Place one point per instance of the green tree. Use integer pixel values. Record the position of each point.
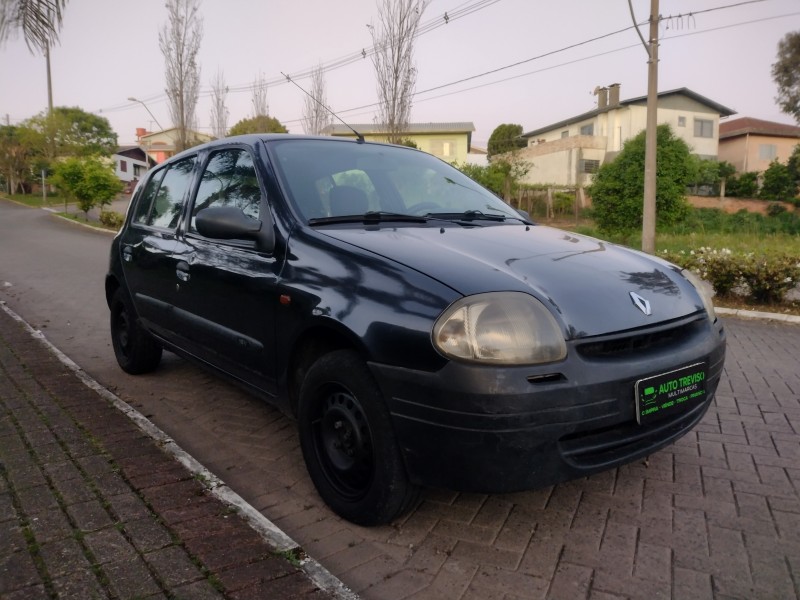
(778, 184)
(91, 181)
(501, 176)
(505, 138)
(20, 151)
(786, 74)
(260, 124)
(618, 188)
(71, 131)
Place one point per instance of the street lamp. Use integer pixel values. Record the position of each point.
(132, 99)
(146, 156)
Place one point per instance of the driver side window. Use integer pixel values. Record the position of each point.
(229, 179)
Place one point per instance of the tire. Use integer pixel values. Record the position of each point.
(136, 351)
(349, 444)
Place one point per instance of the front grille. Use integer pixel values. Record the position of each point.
(639, 342)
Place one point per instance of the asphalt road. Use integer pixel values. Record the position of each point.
(716, 515)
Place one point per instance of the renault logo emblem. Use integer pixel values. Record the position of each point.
(640, 303)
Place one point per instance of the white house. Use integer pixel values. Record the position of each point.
(130, 163)
(570, 151)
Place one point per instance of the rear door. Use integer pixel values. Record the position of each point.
(149, 244)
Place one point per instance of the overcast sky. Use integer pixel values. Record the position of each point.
(109, 51)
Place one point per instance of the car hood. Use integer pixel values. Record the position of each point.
(586, 282)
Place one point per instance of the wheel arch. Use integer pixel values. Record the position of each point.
(309, 347)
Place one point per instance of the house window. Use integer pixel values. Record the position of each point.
(123, 166)
(703, 128)
(565, 133)
(589, 166)
(443, 149)
(587, 129)
(681, 121)
(137, 171)
(767, 151)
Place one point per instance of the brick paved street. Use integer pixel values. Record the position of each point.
(90, 507)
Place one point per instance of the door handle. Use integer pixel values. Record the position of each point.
(127, 254)
(182, 271)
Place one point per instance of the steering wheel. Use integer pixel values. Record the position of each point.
(423, 207)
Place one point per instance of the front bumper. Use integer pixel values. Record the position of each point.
(502, 429)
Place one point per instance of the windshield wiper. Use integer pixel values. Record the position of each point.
(372, 216)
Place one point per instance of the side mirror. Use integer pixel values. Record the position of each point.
(230, 223)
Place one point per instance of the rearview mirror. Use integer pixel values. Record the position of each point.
(230, 223)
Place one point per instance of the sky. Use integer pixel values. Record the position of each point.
(528, 62)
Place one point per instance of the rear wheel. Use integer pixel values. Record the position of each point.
(348, 442)
(136, 351)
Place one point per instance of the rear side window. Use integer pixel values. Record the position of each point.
(146, 200)
(229, 179)
(163, 196)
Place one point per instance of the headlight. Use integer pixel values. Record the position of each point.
(705, 290)
(506, 328)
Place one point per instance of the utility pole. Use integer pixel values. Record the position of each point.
(49, 81)
(649, 208)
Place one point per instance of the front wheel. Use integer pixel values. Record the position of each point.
(348, 442)
(135, 350)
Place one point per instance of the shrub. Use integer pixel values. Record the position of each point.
(111, 218)
(770, 278)
(743, 186)
(775, 208)
(618, 186)
(721, 268)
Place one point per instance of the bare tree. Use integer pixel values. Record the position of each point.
(260, 104)
(219, 111)
(316, 116)
(179, 41)
(395, 71)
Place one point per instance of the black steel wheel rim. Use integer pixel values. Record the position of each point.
(343, 443)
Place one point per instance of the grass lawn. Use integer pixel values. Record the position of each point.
(743, 242)
(36, 200)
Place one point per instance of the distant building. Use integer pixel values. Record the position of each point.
(160, 145)
(130, 163)
(449, 141)
(569, 152)
(751, 144)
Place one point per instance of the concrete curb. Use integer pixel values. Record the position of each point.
(269, 532)
(755, 314)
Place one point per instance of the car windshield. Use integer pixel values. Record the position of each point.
(330, 180)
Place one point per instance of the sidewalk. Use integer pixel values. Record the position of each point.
(92, 507)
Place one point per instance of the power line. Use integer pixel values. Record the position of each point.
(563, 64)
(462, 10)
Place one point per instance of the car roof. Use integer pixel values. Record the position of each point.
(252, 139)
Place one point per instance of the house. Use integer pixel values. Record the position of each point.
(160, 145)
(130, 163)
(449, 141)
(751, 144)
(570, 151)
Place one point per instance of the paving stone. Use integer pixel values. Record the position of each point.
(130, 578)
(174, 567)
(17, 570)
(147, 534)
